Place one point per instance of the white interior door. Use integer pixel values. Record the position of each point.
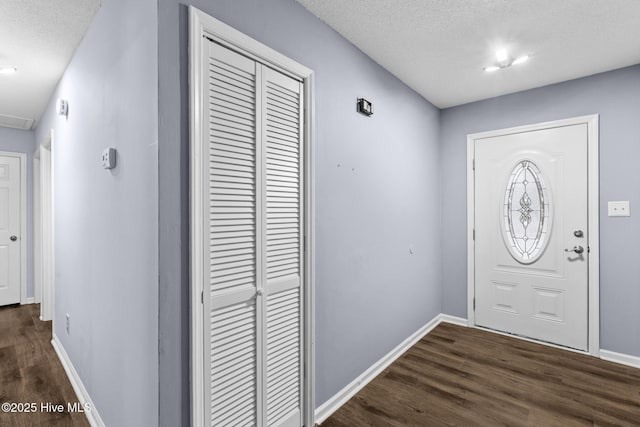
(253, 220)
(10, 227)
(531, 231)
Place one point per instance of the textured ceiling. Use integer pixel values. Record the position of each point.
(38, 37)
(439, 47)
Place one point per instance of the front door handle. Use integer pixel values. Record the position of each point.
(13, 238)
(577, 249)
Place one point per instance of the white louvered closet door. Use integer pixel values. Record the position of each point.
(232, 342)
(253, 304)
(283, 248)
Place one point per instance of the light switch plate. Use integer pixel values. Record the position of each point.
(109, 158)
(619, 208)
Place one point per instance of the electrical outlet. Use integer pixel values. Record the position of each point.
(619, 208)
(68, 323)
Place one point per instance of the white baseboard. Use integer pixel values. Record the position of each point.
(30, 300)
(624, 359)
(83, 396)
(340, 398)
(453, 319)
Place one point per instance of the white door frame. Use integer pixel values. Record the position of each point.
(593, 218)
(202, 25)
(37, 230)
(24, 299)
(43, 229)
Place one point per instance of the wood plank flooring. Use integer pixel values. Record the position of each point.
(30, 370)
(457, 376)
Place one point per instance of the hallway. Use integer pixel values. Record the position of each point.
(30, 371)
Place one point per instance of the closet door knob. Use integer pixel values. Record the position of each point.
(13, 238)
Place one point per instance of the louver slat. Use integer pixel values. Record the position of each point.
(283, 171)
(230, 382)
(232, 269)
(283, 358)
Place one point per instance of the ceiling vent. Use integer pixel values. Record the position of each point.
(16, 122)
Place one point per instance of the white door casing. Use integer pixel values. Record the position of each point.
(12, 233)
(531, 200)
(43, 245)
(37, 231)
(249, 133)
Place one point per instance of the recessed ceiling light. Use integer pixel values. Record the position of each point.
(8, 70)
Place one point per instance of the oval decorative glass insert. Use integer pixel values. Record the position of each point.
(526, 213)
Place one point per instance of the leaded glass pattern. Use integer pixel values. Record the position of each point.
(526, 212)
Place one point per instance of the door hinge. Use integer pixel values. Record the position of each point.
(474, 164)
(474, 304)
(474, 234)
(202, 297)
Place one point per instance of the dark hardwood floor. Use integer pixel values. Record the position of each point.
(458, 376)
(30, 371)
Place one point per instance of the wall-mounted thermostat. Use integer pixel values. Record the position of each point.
(365, 107)
(109, 158)
(62, 107)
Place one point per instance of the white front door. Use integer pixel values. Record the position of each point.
(531, 230)
(10, 216)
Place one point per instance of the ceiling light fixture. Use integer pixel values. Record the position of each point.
(506, 61)
(520, 60)
(8, 70)
(502, 55)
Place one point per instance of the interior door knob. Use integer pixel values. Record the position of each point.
(577, 249)
(13, 238)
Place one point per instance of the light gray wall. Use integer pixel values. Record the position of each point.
(23, 141)
(106, 227)
(377, 188)
(616, 97)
